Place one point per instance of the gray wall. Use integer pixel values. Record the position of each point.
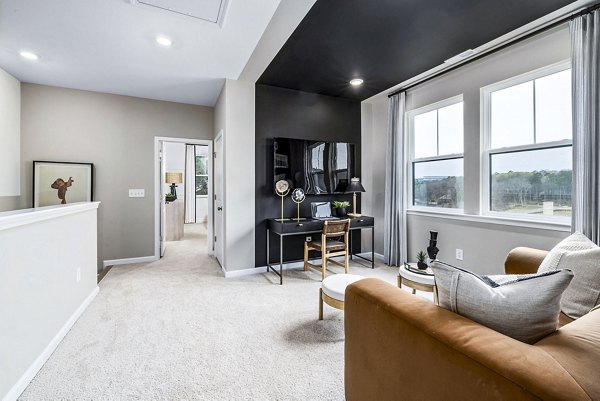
(374, 121)
(116, 133)
(485, 245)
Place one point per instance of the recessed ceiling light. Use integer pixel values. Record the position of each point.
(356, 82)
(164, 41)
(28, 55)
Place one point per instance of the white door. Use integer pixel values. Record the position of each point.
(218, 208)
(161, 192)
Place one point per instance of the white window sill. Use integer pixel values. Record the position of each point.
(455, 214)
(201, 196)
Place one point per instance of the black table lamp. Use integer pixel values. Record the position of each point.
(353, 187)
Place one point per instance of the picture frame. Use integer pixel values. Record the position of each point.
(56, 183)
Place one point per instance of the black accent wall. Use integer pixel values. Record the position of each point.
(303, 115)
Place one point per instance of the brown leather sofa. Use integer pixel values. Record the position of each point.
(402, 347)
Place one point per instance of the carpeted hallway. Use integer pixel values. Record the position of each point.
(176, 329)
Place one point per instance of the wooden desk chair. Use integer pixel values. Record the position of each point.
(329, 248)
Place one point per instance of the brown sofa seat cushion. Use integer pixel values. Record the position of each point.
(576, 346)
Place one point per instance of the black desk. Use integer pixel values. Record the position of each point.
(310, 226)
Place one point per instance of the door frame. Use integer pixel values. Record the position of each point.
(221, 135)
(158, 182)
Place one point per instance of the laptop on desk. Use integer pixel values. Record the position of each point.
(321, 211)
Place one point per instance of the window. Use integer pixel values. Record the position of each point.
(201, 175)
(528, 144)
(436, 154)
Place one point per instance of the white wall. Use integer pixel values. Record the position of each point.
(485, 245)
(234, 114)
(10, 140)
(174, 155)
(40, 297)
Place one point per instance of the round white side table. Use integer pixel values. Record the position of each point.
(417, 281)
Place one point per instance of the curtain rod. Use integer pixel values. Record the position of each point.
(504, 46)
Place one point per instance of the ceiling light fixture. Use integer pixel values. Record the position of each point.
(164, 41)
(356, 82)
(29, 55)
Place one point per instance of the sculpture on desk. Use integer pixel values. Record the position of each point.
(62, 186)
(282, 188)
(432, 249)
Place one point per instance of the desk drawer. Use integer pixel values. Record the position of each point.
(363, 221)
(290, 227)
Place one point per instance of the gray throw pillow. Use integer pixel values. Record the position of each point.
(582, 256)
(522, 306)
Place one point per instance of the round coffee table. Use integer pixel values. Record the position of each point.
(333, 290)
(422, 281)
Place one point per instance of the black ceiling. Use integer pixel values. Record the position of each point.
(388, 41)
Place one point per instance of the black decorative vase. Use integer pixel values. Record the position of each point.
(422, 265)
(340, 212)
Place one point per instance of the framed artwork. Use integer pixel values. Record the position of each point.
(61, 183)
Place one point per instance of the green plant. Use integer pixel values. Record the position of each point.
(340, 204)
(421, 256)
(170, 198)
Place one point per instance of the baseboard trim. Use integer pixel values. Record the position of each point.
(20, 386)
(286, 266)
(378, 256)
(244, 272)
(128, 261)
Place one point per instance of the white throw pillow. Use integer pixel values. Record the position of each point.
(522, 306)
(581, 256)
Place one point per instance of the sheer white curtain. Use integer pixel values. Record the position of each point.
(585, 58)
(395, 249)
(190, 184)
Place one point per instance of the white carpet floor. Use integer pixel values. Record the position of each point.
(175, 329)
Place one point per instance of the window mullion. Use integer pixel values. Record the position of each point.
(534, 115)
(437, 130)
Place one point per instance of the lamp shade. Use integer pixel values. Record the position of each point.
(341, 186)
(354, 186)
(173, 178)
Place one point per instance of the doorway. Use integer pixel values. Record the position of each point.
(183, 189)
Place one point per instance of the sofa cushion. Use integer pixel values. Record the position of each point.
(525, 307)
(576, 347)
(582, 256)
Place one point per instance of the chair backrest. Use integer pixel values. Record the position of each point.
(335, 228)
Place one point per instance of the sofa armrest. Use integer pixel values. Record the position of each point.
(524, 260)
(400, 346)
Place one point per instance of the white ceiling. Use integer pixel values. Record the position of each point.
(108, 45)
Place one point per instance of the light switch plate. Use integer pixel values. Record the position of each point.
(137, 193)
(459, 254)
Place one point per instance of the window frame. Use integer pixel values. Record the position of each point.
(485, 196)
(411, 160)
(200, 175)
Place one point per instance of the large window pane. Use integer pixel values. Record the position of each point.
(553, 107)
(201, 164)
(512, 116)
(438, 183)
(201, 185)
(425, 134)
(450, 126)
(536, 182)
